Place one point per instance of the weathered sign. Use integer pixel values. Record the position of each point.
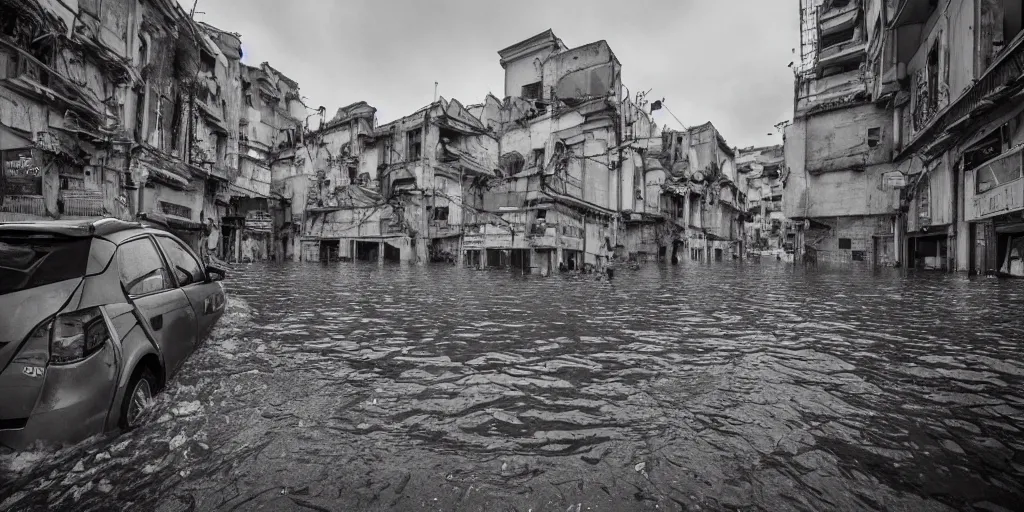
(1002, 199)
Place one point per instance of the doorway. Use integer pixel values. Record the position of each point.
(521, 260)
(392, 254)
(330, 250)
(367, 251)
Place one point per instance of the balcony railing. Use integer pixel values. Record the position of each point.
(1000, 80)
(26, 205)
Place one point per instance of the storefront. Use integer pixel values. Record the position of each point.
(995, 208)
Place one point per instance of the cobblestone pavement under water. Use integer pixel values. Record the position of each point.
(699, 387)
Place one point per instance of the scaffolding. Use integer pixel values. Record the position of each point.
(809, 12)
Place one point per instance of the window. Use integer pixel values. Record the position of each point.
(999, 172)
(538, 158)
(532, 91)
(845, 243)
(415, 145)
(31, 260)
(20, 174)
(441, 213)
(142, 270)
(186, 268)
(933, 77)
(874, 136)
(858, 256)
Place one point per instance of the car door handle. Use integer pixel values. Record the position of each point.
(157, 322)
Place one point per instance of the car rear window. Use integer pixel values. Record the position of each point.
(28, 261)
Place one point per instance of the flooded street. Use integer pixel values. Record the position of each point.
(699, 387)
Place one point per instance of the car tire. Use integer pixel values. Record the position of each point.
(141, 388)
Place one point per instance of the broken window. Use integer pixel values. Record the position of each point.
(441, 213)
(222, 149)
(874, 137)
(532, 91)
(542, 214)
(845, 243)
(414, 150)
(838, 37)
(859, 256)
(933, 76)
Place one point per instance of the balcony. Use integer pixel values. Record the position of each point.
(837, 19)
(912, 12)
(1000, 82)
(842, 53)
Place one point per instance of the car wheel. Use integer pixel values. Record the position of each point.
(137, 398)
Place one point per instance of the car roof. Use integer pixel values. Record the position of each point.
(71, 228)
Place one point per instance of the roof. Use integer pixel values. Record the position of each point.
(546, 38)
(70, 228)
(281, 76)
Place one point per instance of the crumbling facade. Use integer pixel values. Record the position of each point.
(768, 231)
(713, 193)
(838, 179)
(150, 115)
(132, 110)
(571, 158)
(904, 147)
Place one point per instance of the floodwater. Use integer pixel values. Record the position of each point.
(716, 386)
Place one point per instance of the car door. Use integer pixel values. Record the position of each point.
(206, 297)
(161, 304)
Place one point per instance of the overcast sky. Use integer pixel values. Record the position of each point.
(723, 61)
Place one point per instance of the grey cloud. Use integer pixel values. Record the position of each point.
(722, 61)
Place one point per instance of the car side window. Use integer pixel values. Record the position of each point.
(142, 270)
(185, 266)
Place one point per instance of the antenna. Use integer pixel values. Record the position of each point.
(435, 91)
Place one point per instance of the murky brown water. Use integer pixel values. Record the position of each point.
(697, 387)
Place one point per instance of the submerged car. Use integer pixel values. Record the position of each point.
(95, 317)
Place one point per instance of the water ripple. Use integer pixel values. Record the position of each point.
(711, 387)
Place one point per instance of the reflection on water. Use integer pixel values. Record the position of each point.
(710, 387)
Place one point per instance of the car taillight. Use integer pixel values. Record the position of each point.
(77, 335)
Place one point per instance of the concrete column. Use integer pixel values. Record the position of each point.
(963, 228)
(380, 252)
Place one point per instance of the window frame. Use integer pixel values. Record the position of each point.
(172, 279)
(167, 260)
(414, 137)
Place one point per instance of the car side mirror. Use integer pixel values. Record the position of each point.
(215, 273)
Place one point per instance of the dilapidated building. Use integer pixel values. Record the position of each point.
(395, 192)
(67, 100)
(840, 182)
(130, 109)
(570, 145)
(905, 146)
(768, 228)
(952, 72)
